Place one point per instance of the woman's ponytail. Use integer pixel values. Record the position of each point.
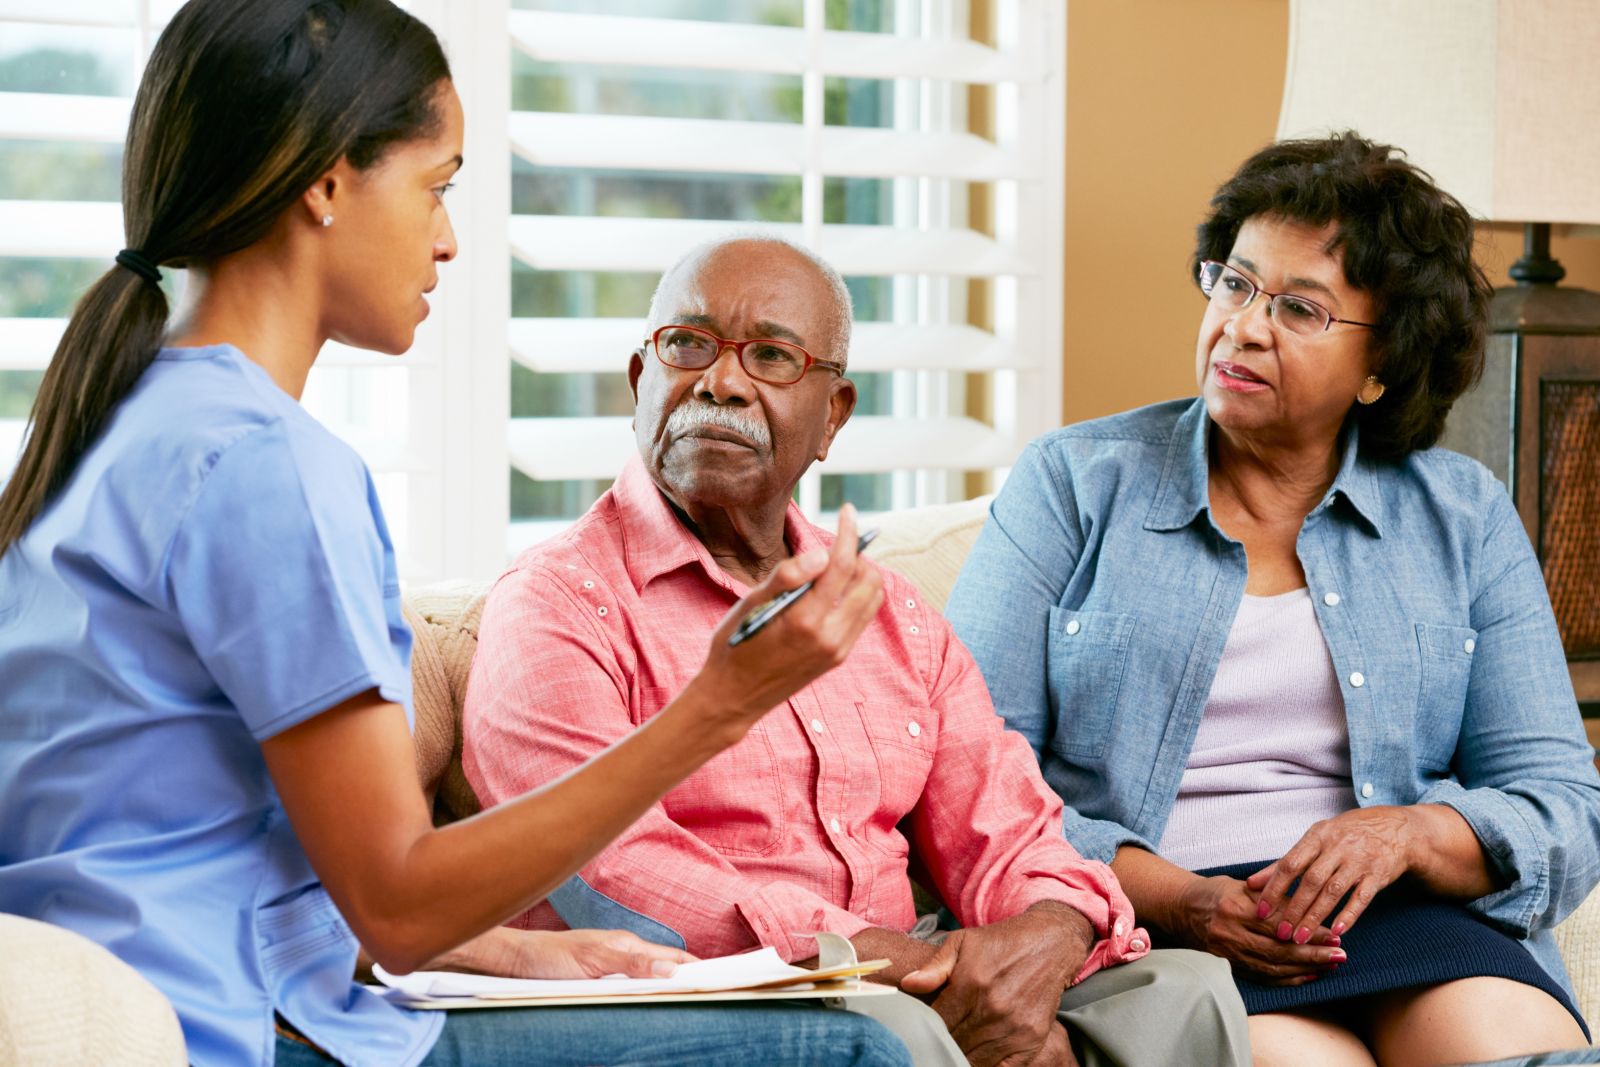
(114, 333)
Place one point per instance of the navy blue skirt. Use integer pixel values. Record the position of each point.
(1404, 939)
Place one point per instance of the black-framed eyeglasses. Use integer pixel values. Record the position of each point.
(1231, 290)
(763, 358)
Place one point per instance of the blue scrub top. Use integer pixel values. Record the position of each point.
(216, 571)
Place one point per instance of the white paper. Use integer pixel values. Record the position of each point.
(702, 976)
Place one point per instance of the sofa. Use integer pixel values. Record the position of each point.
(927, 545)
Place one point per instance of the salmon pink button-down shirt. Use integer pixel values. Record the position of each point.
(804, 824)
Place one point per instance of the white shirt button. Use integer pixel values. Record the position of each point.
(1073, 627)
(914, 729)
(834, 825)
(1357, 679)
(910, 603)
(1470, 645)
(1118, 927)
(816, 724)
(602, 611)
(1137, 944)
(915, 630)
(588, 583)
(1331, 599)
(1366, 789)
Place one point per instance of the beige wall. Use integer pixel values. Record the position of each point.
(1147, 142)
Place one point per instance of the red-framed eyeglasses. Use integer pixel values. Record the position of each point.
(763, 358)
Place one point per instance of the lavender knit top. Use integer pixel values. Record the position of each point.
(1272, 755)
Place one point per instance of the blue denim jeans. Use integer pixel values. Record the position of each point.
(727, 1035)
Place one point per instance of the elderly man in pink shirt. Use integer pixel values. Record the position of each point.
(811, 822)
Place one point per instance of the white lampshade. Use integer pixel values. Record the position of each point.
(1499, 100)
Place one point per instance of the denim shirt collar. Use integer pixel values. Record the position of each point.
(1183, 490)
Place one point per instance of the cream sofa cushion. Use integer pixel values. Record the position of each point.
(67, 1002)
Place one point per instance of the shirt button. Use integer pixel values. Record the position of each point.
(1073, 627)
(1331, 599)
(588, 583)
(816, 724)
(834, 825)
(1137, 945)
(913, 728)
(602, 611)
(910, 603)
(1118, 926)
(1470, 645)
(915, 630)
(1366, 789)
(1357, 679)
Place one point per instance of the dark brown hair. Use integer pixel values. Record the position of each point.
(1404, 241)
(243, 106)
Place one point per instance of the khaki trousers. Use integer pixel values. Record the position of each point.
(1172, 1008)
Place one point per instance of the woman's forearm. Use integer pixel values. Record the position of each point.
(412, 892)
(1155, 887)
(522, 850)
(1445, 855)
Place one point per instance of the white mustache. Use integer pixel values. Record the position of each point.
(694, 413)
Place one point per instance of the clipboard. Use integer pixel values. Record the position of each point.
(837, 976)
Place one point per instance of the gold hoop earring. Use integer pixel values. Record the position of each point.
(1371, 390)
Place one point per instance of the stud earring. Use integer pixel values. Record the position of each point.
(1371, 390)
(327, 220)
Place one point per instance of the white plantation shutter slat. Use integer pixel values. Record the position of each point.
(63, 117)
(565, 242)
(872, 153)
(28, 344)
(55, 228)
(556, 449)
(630, 142)
(725, 146)
(623, 41)
(683, 44)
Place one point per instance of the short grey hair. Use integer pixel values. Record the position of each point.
(840, 314)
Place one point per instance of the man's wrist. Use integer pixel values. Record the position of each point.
(1074, 927)
(904, 952)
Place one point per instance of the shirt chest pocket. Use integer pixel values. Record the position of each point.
(904, 738)
(1087, 655)
(735, 802)
(1446, 653)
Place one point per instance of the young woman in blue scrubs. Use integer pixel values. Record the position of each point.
(205, 762)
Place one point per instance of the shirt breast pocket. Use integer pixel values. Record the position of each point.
(735, 802)
(904, 738)
(1446, 653)
(1087, 656)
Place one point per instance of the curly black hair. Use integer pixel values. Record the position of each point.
(1404, 241)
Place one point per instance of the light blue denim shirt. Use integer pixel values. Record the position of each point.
(1100, 594)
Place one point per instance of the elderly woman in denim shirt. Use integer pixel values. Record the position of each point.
(1293, 670)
